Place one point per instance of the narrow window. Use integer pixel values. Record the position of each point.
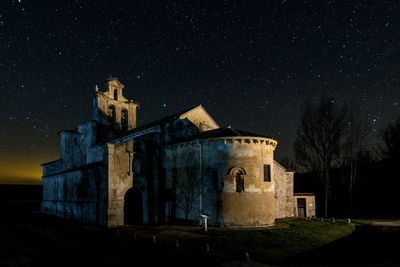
(267, 173)
(239, 182)
(116, 94)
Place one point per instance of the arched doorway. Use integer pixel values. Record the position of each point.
(133, 207)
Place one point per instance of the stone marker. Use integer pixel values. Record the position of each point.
(207, 247)
(177, 243)
(247, 256)
(154, 239)
(348, 220)
(333, 220)
(205, 217)
(322, 219)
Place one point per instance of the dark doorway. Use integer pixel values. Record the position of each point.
(301, 207)
(133, 208)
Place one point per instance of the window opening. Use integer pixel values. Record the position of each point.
(267, 173)
(239, 182)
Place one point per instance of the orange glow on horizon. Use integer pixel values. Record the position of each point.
(16, 172)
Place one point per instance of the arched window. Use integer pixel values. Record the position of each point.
(124, 120)
(116, 94)
(237, 175)
(239, 182)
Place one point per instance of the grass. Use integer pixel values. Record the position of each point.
(43, 240)
(276, 245)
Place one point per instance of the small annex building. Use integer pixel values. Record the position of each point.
(113, 173)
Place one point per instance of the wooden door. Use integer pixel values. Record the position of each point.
(301, 207)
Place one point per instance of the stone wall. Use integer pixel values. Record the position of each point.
(214, 163)
(79, 194)
(248, 209)
(178, 129)
(75, 146)
(75, 186)
(120, 179)
(310, 203)
(284, 192)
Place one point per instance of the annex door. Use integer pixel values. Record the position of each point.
(133, 207)
(301, 207)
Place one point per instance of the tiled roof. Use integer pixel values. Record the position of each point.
(228, 131)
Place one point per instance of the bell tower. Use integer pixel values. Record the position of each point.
(112, 109)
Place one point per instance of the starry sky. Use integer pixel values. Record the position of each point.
(251, 64)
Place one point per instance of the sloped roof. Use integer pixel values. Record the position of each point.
(162, 120)
(227, 131)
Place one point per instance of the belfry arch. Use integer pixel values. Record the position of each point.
(124, 120)
(112, 114)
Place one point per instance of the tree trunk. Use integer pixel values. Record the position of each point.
(326, 192)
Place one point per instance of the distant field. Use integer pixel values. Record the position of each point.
(20, 192)
(17, 199)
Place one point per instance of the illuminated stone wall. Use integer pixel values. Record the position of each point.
(218, 160)
(284, 184)
(310, 204)
(120, 179)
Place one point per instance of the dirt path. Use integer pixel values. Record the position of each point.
(392, 223)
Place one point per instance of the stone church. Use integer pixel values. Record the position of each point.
(113, 173)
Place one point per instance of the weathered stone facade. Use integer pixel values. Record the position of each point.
(305, 205)
(114, 173)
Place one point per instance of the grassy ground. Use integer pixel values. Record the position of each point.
(277, 245)
(32, 239)
(48, 241)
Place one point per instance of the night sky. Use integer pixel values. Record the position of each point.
(250, 64)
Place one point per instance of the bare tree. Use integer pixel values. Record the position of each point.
(288, 163)
(188, 190)
(319, 137)
(391, 138)
(352, 150)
